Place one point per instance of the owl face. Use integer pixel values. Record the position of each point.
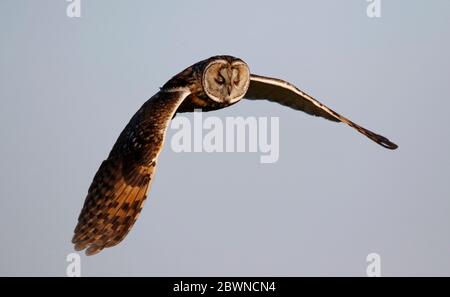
(226, 81)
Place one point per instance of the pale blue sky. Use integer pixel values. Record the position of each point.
(69, 86)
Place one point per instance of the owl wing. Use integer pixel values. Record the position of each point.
(286, 94)
(117, 193)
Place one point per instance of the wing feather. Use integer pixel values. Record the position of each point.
(119, 188)
(286, 94)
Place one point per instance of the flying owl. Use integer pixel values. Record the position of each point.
(119, 189)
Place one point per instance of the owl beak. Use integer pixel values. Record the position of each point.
(229, 89)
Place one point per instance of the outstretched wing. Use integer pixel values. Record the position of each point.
(117, 193)
(284, 93)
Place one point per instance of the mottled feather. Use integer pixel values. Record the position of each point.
(118, 191)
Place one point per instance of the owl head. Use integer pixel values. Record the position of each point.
(226, 79)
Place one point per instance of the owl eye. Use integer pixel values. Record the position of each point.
(220, 80)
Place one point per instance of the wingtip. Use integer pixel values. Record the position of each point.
(93, 249)
(381, 140)
(389, 145)
(386, 143)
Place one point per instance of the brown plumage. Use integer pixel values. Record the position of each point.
(118, 191)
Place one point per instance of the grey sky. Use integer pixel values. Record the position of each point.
(69, 86)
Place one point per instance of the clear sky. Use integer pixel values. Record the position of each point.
(68, 86)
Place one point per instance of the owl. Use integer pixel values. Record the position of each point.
(119, 188)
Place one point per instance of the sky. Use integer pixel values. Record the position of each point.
(68, 86)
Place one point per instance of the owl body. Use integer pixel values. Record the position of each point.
(119, 188)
